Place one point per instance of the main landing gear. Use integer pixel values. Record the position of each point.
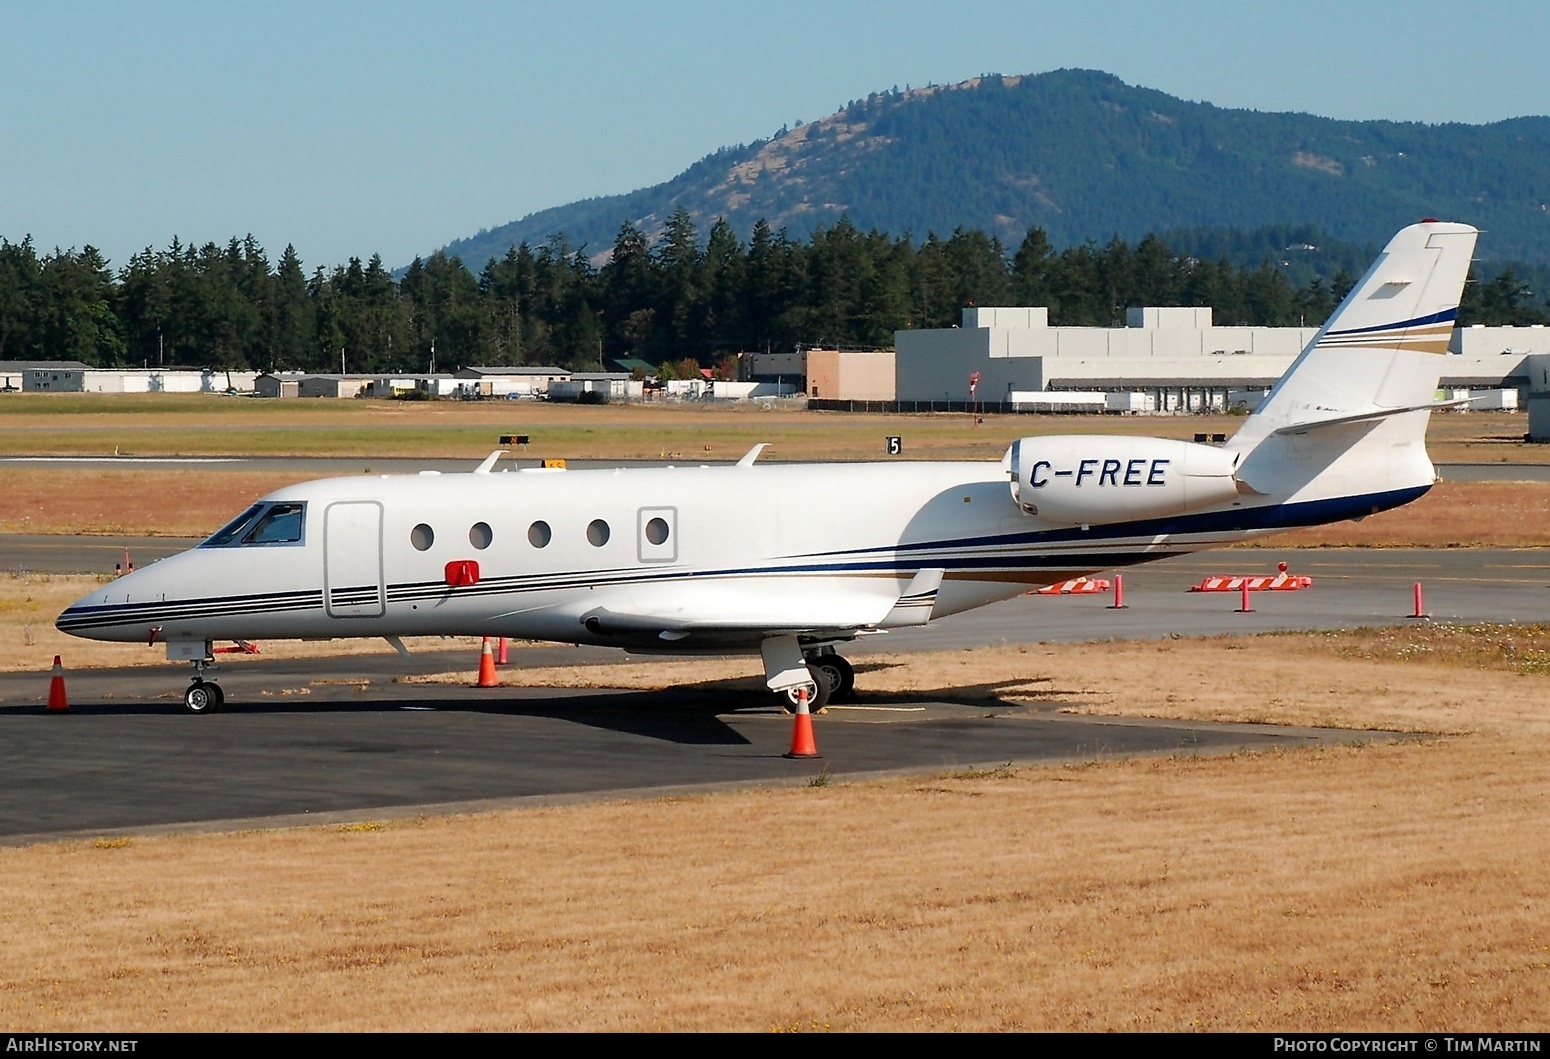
(791, 666)
(837, 673)
(203, 696)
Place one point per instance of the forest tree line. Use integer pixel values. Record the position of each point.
(663, 301)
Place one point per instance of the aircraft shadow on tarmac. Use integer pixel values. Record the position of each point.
(691, 714)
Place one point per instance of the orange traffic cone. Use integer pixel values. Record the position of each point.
(802, 743)
(57, 702)
(487, 667)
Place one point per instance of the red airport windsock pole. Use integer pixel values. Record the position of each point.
(57, 701)
(802, 743)
(487, 677)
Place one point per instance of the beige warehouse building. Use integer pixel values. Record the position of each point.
(851, 375)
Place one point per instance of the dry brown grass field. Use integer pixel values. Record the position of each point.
(202, 425)
(1393, 886)
(185, 502)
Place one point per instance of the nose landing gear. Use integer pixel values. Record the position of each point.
(203, 696)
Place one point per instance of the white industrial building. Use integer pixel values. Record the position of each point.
(1176, 357)
(167, 380)
(609, 385)
(504, 381)
(72, 376)
(1175, 354)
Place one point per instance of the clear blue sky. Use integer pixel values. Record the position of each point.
(353, 128)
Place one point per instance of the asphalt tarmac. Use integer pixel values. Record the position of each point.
(314, 740)
(380, 751)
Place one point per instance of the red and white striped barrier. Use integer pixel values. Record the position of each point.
(1080, 586)
(1264, 583)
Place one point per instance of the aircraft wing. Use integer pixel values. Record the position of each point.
(759, 607)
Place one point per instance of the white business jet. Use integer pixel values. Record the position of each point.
(734, 558)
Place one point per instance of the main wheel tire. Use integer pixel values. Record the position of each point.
(818, 692)
(841, 674)
(202, 697)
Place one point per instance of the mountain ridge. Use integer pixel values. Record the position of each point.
(1084, 156)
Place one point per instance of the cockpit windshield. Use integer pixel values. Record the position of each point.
(278, 523)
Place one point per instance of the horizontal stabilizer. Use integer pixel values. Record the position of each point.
(1368, 417)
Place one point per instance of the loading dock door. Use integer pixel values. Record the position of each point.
(352, 560)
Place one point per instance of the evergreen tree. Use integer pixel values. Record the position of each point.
(78, 317)
(680, 308)
(20, 299)
(724, 277)
(1033, 268)
(292, 327)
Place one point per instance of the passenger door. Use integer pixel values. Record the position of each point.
(352, 559)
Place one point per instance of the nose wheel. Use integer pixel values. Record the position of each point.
(203, 696)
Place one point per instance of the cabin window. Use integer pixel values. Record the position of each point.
(422, 537)
(538, 534)
(280, 523)
(480, 535)
(656, 531)
(597, 532)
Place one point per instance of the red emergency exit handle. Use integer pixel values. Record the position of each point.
(462, 572)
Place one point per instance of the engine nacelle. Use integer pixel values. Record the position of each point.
(1096, 480)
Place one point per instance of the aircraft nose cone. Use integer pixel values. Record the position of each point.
(87, 616)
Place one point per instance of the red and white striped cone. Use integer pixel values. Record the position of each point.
(58, 702)
(802, 742)
(487, 678)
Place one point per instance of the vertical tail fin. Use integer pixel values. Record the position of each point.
(1379, 352)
